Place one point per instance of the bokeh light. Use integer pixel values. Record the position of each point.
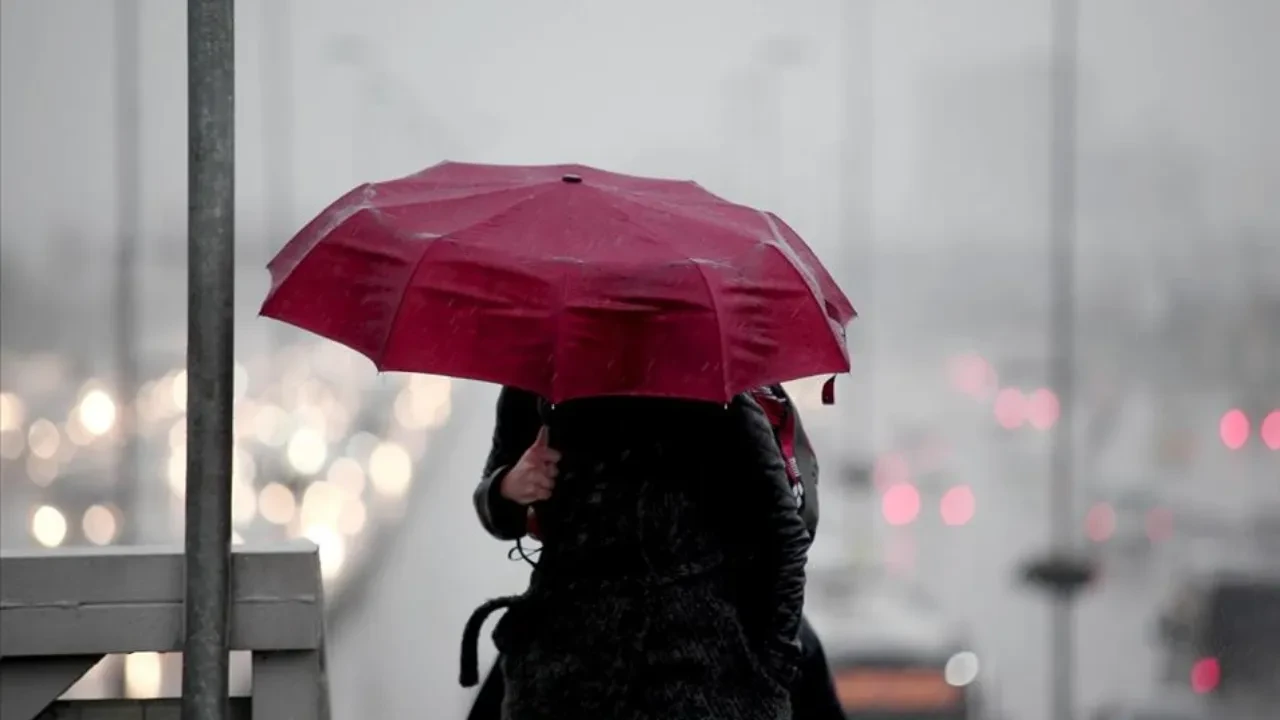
(307, 451)
(48, 526)
(43, 438)
(972, 375)
(97, 412)
(1043, 409)
(333, 549)
(1010, 408)
(277, 504)
(900, 504)
(1206, 673)
(1233, 429)
(1270, 430)
(321, 505)
(13, 412)
(961, 669)
(1100, 522)
(957, 506)
(390, 469)
(100, 525)
(346, 473)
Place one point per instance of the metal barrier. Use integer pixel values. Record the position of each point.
(62, 611)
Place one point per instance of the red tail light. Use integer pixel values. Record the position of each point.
(900, 504)
(1100, 523)
(1270, 430)
(1233, 428)
(1205, 675)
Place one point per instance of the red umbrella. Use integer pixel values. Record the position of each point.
(564, 280)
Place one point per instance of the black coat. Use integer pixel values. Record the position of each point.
(637, 607)
(505, 520)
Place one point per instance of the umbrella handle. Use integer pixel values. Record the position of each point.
(546, 413)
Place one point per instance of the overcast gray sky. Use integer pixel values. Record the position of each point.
(628, 85)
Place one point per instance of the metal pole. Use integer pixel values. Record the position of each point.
(857, 204)
(1062, 339)
(128, 192)
(856, 233)
(210, 346)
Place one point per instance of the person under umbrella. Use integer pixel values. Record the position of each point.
(641, 310)
(668, 518)
(504, 501)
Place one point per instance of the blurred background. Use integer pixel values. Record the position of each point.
(908, 140)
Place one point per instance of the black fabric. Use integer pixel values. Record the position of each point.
(517, 422)
(635, 610)
(488, 702)
(813, 696)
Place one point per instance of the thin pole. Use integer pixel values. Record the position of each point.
(210, 347)
(1062, 339)
(277, 110)
(128, 191)
(856, 181)
(857, 203)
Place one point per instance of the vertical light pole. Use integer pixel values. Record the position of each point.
(1062, 343)
(128, 181)
(754, 117)
(210, 353)
(278, 124)
(774, 56)
(857, 185)
(856, 208)
(128, 193)
(1063, 572)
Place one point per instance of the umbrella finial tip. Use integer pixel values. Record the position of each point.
(571, 178)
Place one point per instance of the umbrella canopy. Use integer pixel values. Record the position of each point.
(566, 281)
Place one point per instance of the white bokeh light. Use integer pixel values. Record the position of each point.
(962, 669)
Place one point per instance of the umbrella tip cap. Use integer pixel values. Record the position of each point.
(571, 179)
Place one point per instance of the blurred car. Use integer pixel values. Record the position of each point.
(893, 654)
(1221, 635)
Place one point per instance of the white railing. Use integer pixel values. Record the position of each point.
(62, 611)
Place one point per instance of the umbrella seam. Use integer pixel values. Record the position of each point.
(683, 210)
(657, 239)
(791, 260)
(555, 342)
(715, 307)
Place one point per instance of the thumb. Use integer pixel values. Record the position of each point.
(541, 442)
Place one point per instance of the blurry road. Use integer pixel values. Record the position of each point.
(973, 572)
(398, 655)
(979, 578)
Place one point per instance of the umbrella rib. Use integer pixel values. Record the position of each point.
(792, 261)
(658, 239)
(715, 308)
